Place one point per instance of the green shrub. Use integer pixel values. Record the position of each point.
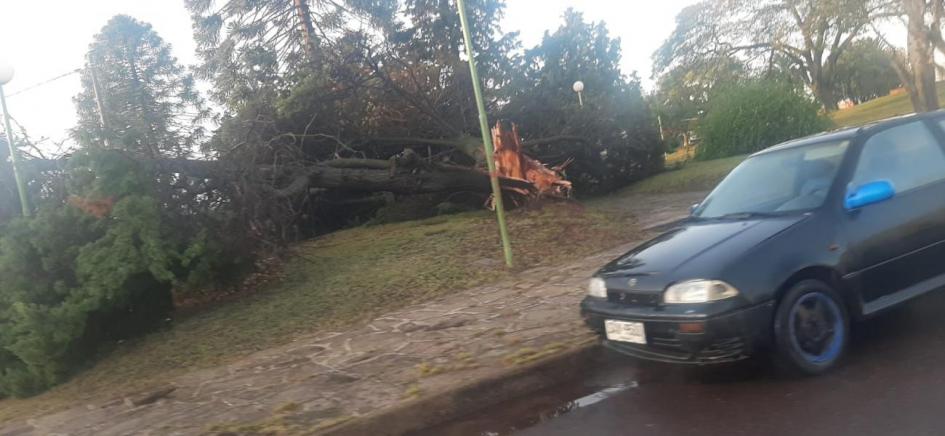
(749, 117)
(72, 279)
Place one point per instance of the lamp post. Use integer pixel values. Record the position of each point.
(6, 75)
(578, 87)
(486, 136)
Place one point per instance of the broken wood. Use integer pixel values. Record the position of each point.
(512, 163)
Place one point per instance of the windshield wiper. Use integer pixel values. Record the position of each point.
(743, 215)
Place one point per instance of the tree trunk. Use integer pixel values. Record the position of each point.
(441, 179)
(826, 95)
(921, 58)
(306, 28)
(369, 176)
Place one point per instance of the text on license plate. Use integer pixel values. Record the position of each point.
(625, 331)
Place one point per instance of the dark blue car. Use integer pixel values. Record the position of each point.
(795, 243)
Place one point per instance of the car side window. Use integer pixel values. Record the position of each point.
(908, 156)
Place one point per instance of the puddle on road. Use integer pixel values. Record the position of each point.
(601, 382)
(523, 413)
(611, 376)
(601, 395)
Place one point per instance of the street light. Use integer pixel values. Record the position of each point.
(6, 72)
(6, 75)
(578, 87)
(486, 136)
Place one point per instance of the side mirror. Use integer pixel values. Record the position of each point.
(692, 209)
(869, 193)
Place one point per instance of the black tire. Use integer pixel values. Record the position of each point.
(811, 328)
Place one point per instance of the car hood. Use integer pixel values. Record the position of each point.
(694, 249)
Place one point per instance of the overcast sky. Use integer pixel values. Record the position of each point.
(44, 39)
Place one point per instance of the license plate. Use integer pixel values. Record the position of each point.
(625, 331)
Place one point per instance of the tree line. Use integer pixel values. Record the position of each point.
(832, 50)
(741, 75)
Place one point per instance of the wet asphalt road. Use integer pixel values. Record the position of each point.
(892, 382)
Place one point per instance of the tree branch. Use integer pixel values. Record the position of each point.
(367, 175)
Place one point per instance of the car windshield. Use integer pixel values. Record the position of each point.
(789, 180)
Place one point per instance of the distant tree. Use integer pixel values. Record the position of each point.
(864, 71)
(613, 138)
(682, 94)
(149, 102)
(916, 65)
(249, 45)
(811, 35)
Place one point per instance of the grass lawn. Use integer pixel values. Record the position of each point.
(342, 278)
(692, 176)
(878, 109)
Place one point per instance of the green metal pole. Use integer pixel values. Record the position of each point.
(486, 135)
(14, 156)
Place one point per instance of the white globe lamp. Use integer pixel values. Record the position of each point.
(578, 87)
(6, 72)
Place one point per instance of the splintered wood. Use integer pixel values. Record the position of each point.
(512, 163)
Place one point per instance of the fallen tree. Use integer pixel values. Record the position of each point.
(350, 174)
(519, 175)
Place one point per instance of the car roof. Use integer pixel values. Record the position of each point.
(849, 132)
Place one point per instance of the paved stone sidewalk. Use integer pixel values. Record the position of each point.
(324, 380)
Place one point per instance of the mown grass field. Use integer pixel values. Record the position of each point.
(878, 109)
(691, 176)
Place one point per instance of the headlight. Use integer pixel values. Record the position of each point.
(597, 288)
(698, 291)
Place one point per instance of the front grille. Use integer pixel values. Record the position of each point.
(724, 349)
(664, 344)
(634, 298)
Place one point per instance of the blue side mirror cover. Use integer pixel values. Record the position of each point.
(869, 193)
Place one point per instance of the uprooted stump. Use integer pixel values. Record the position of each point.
(512, 163)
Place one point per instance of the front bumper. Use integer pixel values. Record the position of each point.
(726, 337)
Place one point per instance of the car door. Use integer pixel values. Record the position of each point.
(897, 244)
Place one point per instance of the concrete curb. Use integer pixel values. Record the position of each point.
(444, 406)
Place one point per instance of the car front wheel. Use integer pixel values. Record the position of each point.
(811, 328)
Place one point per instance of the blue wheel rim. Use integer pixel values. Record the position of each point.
(816, 328)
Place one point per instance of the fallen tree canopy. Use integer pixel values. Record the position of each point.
(408, 173)
(350, 174)
(432, 178)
